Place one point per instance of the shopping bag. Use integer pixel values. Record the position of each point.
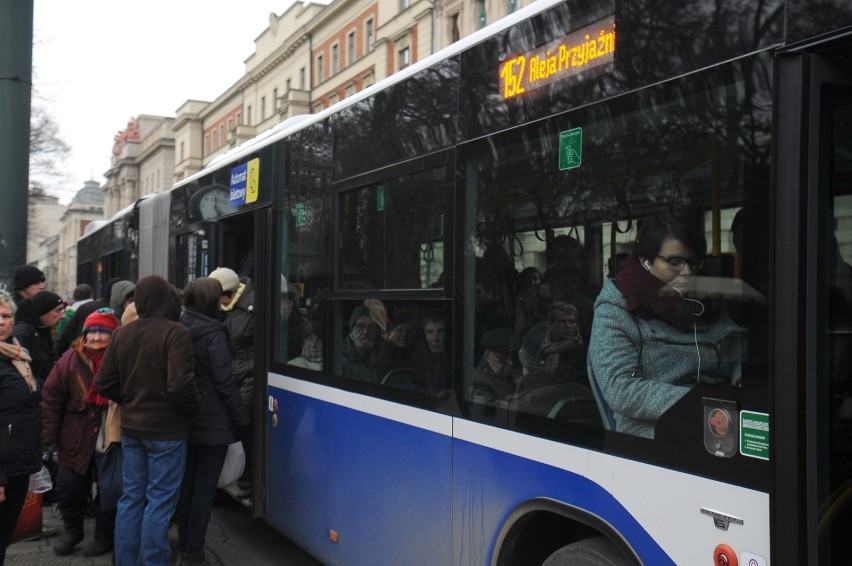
(29, 522)
(109, 476)
(235, 463)
(40, 481)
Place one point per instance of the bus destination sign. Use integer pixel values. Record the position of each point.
(579, 51)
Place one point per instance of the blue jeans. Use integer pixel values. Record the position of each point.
(152, 473)
(203, 465)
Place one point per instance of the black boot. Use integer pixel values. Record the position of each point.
(70, 538)
(100, 546)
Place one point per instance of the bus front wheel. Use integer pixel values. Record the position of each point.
(596, 551)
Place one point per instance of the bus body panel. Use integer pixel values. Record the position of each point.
(335, 468)
(335, 456)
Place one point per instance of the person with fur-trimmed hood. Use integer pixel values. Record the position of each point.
(73, 418)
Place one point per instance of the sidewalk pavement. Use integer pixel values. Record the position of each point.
(38, 550)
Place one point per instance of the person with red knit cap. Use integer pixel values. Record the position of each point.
(73, 414)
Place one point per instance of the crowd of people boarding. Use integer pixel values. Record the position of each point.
(138, 392)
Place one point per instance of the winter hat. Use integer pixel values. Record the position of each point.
(530, 353)
(44, 301)
(359, 312)
(497, 340)
(27, 275)
(101, 319)
(227, 277)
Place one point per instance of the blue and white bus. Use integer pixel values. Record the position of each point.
(541, 142)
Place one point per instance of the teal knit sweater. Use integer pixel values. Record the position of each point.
(644, 366)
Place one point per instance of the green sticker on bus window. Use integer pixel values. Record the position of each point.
(570, 149)
(380, 198)
(754, 434)
(300, 214)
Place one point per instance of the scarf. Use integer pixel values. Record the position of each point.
(649, 297)
(20, 358)
(96, 357)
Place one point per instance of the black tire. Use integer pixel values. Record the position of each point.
(596, 551)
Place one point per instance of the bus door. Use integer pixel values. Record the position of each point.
(191, 253)
(815, 385)
(234, 245)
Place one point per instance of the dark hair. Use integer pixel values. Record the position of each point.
(489, 282)
(203, 295)
(82, 291)
(654, 230)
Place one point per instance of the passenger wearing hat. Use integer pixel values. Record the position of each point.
(73, 417)
(34, 323)
(552, 384)
(237, 304)
(28, 280)
(492, 378)
(362, 347)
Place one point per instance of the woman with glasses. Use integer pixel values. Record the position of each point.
(651, 342)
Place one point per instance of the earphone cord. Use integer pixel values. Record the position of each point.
(697, 351)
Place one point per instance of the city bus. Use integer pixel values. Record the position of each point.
(538, 146)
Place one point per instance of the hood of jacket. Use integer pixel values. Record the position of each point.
(119, 292)
(157, 298)
(199, 324)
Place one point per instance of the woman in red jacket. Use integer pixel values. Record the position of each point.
(73, 416)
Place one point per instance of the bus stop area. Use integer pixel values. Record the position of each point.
(233, 537)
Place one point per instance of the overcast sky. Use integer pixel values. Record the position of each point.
(99, 63)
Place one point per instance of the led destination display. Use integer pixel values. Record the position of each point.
(581, 50)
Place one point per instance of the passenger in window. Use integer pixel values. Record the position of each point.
(297, 322)
(528, 277)
(430, 355)
(553, 381)
(497, 260)
(403, 337)
(650, 343)
(362, 349)
(311, 356)
(492, 379)
(490, 313)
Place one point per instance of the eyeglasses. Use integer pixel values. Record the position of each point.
(677, 262)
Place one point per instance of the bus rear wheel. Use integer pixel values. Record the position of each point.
(596, 551)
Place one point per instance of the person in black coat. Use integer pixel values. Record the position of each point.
(20, 425)
(220, 416)
(34, 323)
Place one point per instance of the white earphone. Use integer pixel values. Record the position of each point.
(648, 265)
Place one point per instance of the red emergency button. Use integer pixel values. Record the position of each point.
(724, 555)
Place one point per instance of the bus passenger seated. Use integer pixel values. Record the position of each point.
(649, 343)
(492, 378)
(311, 356)
(554, 381)
(430, 355)
(362, 348)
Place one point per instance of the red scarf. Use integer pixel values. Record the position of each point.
(96, 357)
(649, 297)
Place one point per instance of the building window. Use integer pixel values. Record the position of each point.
(287, 86)
(320, 77)
(350, 48)
(181, 151)
(512, 6)
(369, 79)
(275, 98)
(483, 15)
(350, 89)
(404, 57)
(335, 59)
(262, 108)
(455, 34)
(302, 82)
(371, 35)
(215, 140)
(239, 118)
(248, 115)
(404, 4)
(222, 133)
(230, 125)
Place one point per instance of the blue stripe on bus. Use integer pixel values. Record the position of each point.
(386, 489)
